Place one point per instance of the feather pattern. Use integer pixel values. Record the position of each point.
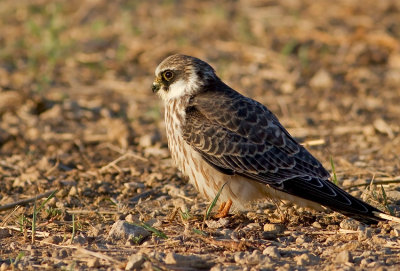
(237, 135)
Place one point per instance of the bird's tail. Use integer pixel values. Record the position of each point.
(329, 195)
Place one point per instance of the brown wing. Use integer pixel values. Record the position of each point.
(241, 135)
(237, 135)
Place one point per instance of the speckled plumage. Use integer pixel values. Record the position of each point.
(216, 136)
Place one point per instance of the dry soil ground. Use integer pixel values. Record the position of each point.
(77, 116)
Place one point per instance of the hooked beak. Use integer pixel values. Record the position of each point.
(156, 86)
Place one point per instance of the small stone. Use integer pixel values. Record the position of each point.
(321, 80)
(239, 257)
(93, 263)
(81, 239)
(53, 239)
(255, 258)
(344, 257)
(364, 233)
(350, 224)
(272, 251)
(287, 87)
(148, 140)
(382, 127)
(215, 224)
(10, 100)
(269, 235)
(188, 261)
(135, 261)
(122, 230)
(4, 267)
(73, 191)
(252, 226)
(285, 267)
(300, 240)
(4, 233)
(134, 185)
(130, 218)
(317, 225)
(307, 259)
(393, 195)
(274, 228)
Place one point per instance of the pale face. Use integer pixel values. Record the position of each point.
(170, 83)
(177, 76)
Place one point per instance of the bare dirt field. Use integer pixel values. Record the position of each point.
(80, 127)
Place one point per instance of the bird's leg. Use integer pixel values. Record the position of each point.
(223, 210)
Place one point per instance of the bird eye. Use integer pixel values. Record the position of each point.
(168, 75)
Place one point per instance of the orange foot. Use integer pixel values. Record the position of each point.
(224, 209)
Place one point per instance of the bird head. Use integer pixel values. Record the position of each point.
(181, 75)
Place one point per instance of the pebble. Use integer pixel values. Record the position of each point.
(300, 240)
(93, 263)
(350, 224)
(344, 257)
(62, 253)
(81, 239)
(384, 128)
(3, 267)
(364, 233)
(321, 80)
(188, 261)
(130, 218)
(225, 267)
(317, 225)
(254, 258)
(134, 185)
(10, 100)
(272, 251)
(269, 235)
(307, 259)
(122, 230)
(4, 233)
(135, 262)
(73, 191)
(215, 224)
(240, 257)
(274, 228)
(394, 195)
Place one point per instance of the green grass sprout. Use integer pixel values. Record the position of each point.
(213, 203)
(152, 229)
(334, 180)
(385, 202)
(34, 219)
(73, 228)
(197, 231)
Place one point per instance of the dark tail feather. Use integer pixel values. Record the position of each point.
(331, 196)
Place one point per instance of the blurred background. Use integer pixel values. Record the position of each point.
(85, 67)
(75, 91)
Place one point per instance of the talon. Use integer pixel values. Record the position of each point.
(223, 210)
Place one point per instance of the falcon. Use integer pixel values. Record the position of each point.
(219, 137)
